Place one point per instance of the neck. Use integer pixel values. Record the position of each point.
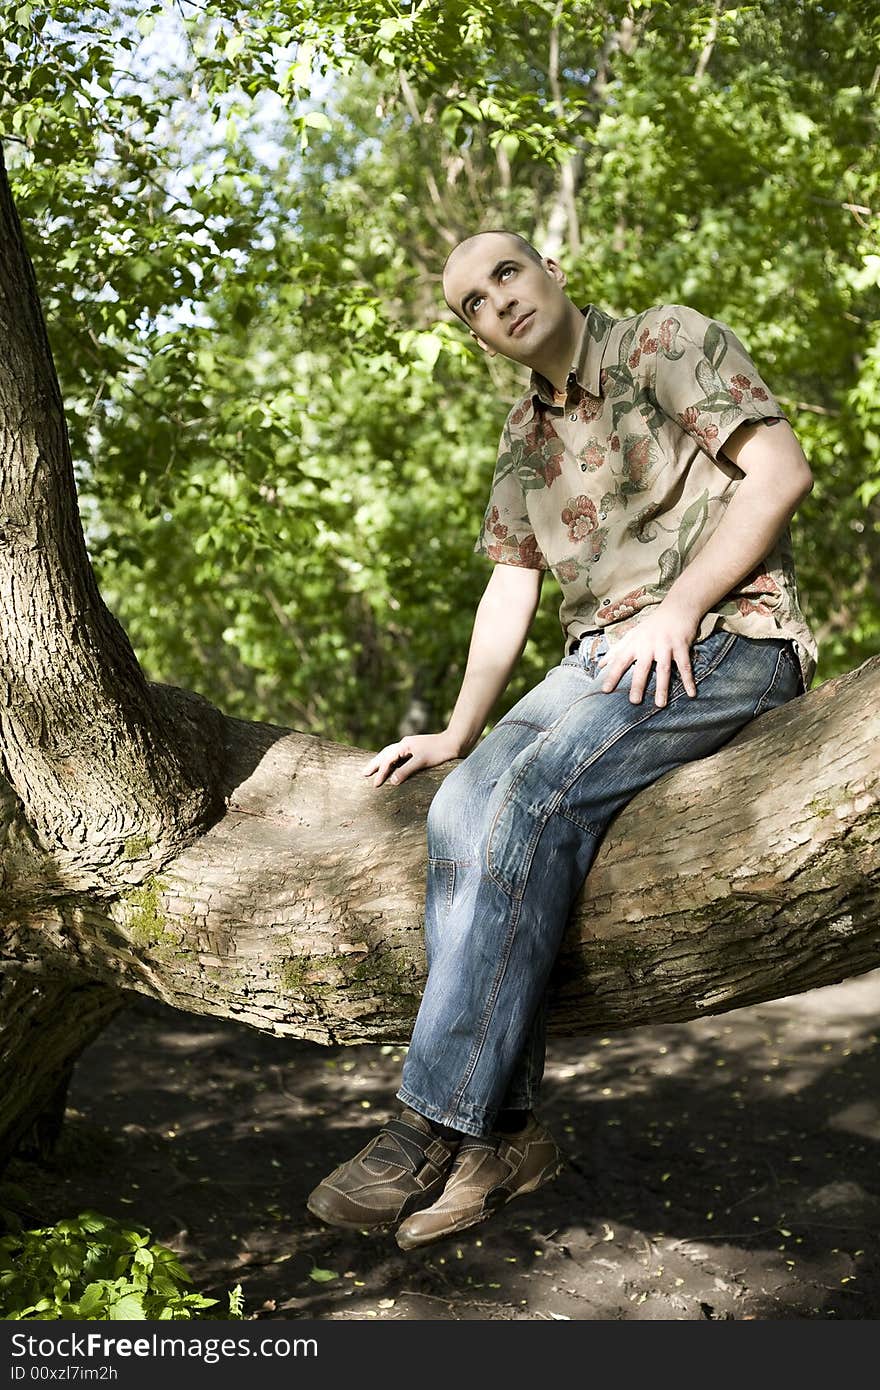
(556, 356)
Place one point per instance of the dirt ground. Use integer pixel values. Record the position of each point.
(722, 1169)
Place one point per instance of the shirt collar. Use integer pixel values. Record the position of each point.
(586, 365)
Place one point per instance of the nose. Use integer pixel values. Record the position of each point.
(503, 300)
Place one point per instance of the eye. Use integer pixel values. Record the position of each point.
(508, 270)
(475, 303)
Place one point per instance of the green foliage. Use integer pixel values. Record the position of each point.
(92, 1268)
(282, 438)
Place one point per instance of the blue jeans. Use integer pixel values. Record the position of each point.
(512, 833)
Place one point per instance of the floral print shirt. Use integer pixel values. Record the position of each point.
(619, 485)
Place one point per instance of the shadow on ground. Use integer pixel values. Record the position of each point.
(722, 1169)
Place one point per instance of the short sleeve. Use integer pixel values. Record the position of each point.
(705, 380)
(506, 535)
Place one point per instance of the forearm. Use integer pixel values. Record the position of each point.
(499, 634)
(756, 515)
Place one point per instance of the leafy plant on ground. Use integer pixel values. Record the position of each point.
(92, 1268)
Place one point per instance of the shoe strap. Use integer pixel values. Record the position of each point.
(409, 1142)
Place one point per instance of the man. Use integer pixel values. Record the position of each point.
(650, 469)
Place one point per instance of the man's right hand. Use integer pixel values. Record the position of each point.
(504, 616)
(410, 755)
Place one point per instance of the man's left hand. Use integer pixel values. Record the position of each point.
(658, 639)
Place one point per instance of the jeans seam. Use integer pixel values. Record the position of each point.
(586, 825)
(582, 768)
(483, 1028)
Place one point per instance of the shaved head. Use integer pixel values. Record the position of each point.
(525, 247)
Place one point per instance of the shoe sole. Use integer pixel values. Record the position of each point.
(371, 1228)
(546, 1175)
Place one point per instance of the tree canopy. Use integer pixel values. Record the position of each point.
(239, 213)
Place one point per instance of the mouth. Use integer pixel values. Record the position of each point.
(518, 324)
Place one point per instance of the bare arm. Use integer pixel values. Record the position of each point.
(777, 478)
(501, 625)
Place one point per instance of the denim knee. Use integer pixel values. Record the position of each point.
(453, 816)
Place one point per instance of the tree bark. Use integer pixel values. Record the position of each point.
(44, 1025)
(105, 766)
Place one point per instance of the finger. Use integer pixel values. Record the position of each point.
(612, 676)
(663, 666)
(406, 769)
(371, 766)
(385, 762)
(614, 669)
(640, 680)
(686, 671)
(398, 758)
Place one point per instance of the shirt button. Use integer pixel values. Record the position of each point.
(583, 468)
(573, 415)
(602, 516)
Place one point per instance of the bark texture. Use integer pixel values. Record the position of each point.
(104, 766)
(44, 1026)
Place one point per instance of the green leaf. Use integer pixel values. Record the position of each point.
(130, 1306)
(322, 1276)
(66, 1259)
(428, 347)
(705, 374)
(92, 1222)
(92, 1298)
(798, 124)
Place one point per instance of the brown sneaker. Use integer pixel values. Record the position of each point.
(486, 1174)
(402, 1168)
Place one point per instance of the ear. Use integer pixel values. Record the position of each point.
(555, 269)
(485, 346)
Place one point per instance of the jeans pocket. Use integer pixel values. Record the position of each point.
(786, 681)
(793, 661)
(441, 883)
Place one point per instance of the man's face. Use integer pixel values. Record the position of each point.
(512, 304)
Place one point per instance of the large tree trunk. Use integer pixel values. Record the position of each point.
(105, 767)
(148, 843)
(45, 1023)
